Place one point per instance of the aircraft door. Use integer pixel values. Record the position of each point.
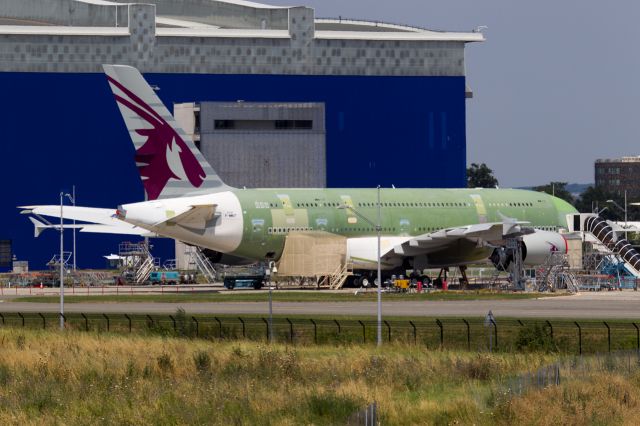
(405, 227)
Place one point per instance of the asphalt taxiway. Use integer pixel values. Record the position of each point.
(597, 305)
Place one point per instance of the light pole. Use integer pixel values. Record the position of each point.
(378, 228)
(272, 270)
(61, 261)
(623, 209)
(72, 197)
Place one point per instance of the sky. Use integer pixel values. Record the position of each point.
(555, 84)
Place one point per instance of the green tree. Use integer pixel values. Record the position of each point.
(594, 197)
(557, 189)
(480, 176)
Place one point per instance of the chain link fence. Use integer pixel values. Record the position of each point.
(472, 334)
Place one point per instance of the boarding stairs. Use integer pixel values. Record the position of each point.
(604, 233)
(144, 270)
(138, 259)
(337, 279)
(202, 263)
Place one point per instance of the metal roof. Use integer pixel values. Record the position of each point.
(184, 22)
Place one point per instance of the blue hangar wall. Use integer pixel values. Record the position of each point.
(65, 129)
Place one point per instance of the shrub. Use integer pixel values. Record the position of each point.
(202, 361)
(20, 341)
(535, 339)
(330, 408)
(165, 363)
(480, 367)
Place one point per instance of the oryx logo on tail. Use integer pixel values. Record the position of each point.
(164, 155)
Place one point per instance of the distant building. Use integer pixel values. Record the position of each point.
(618, 175)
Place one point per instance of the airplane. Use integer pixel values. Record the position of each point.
(421, 228)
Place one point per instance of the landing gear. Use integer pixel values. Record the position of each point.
(441, 281)
(464, 281)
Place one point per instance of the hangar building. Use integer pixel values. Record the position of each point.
(393, 96)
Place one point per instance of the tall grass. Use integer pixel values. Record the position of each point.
(49, 377)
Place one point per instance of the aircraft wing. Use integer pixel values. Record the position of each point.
(449, 246)
(97, 220)
(479, 233)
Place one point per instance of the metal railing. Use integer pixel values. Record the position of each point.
(203, 263)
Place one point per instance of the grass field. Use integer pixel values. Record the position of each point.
(50, 377)
(284, 296)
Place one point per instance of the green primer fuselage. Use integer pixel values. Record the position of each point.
(270, 214)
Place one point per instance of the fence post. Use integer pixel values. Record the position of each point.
(86, 322)
(129, 319)
(266, 323)
(495, 332)
(415, 333)
(364, 335)
(197, 326)
(338, 324)
(219, 327)
(315, 331)
(107, 318)
(244, 333)
(21, 316)
(608, 335)
(173, 320)
(579, 337)
(634, 324)
(44, 321)
(441, 333)
(290, 330)
(388, 329)
(468, 334)
(551, 328)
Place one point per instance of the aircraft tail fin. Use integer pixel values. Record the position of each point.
(169, 163)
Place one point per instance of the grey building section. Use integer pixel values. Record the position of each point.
(257, 145)
(260, 145)
(216, 37)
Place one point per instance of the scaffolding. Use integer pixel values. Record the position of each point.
(137, 261)
(555, 274)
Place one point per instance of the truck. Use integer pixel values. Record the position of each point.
(164, 277)
(244, 281)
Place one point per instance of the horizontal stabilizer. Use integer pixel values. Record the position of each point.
(38, 227)
(102, 221)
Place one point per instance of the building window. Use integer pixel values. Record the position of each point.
(224, 124)
(294, 124)
(196, 116)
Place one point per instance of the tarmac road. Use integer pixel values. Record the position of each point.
(601, 305)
